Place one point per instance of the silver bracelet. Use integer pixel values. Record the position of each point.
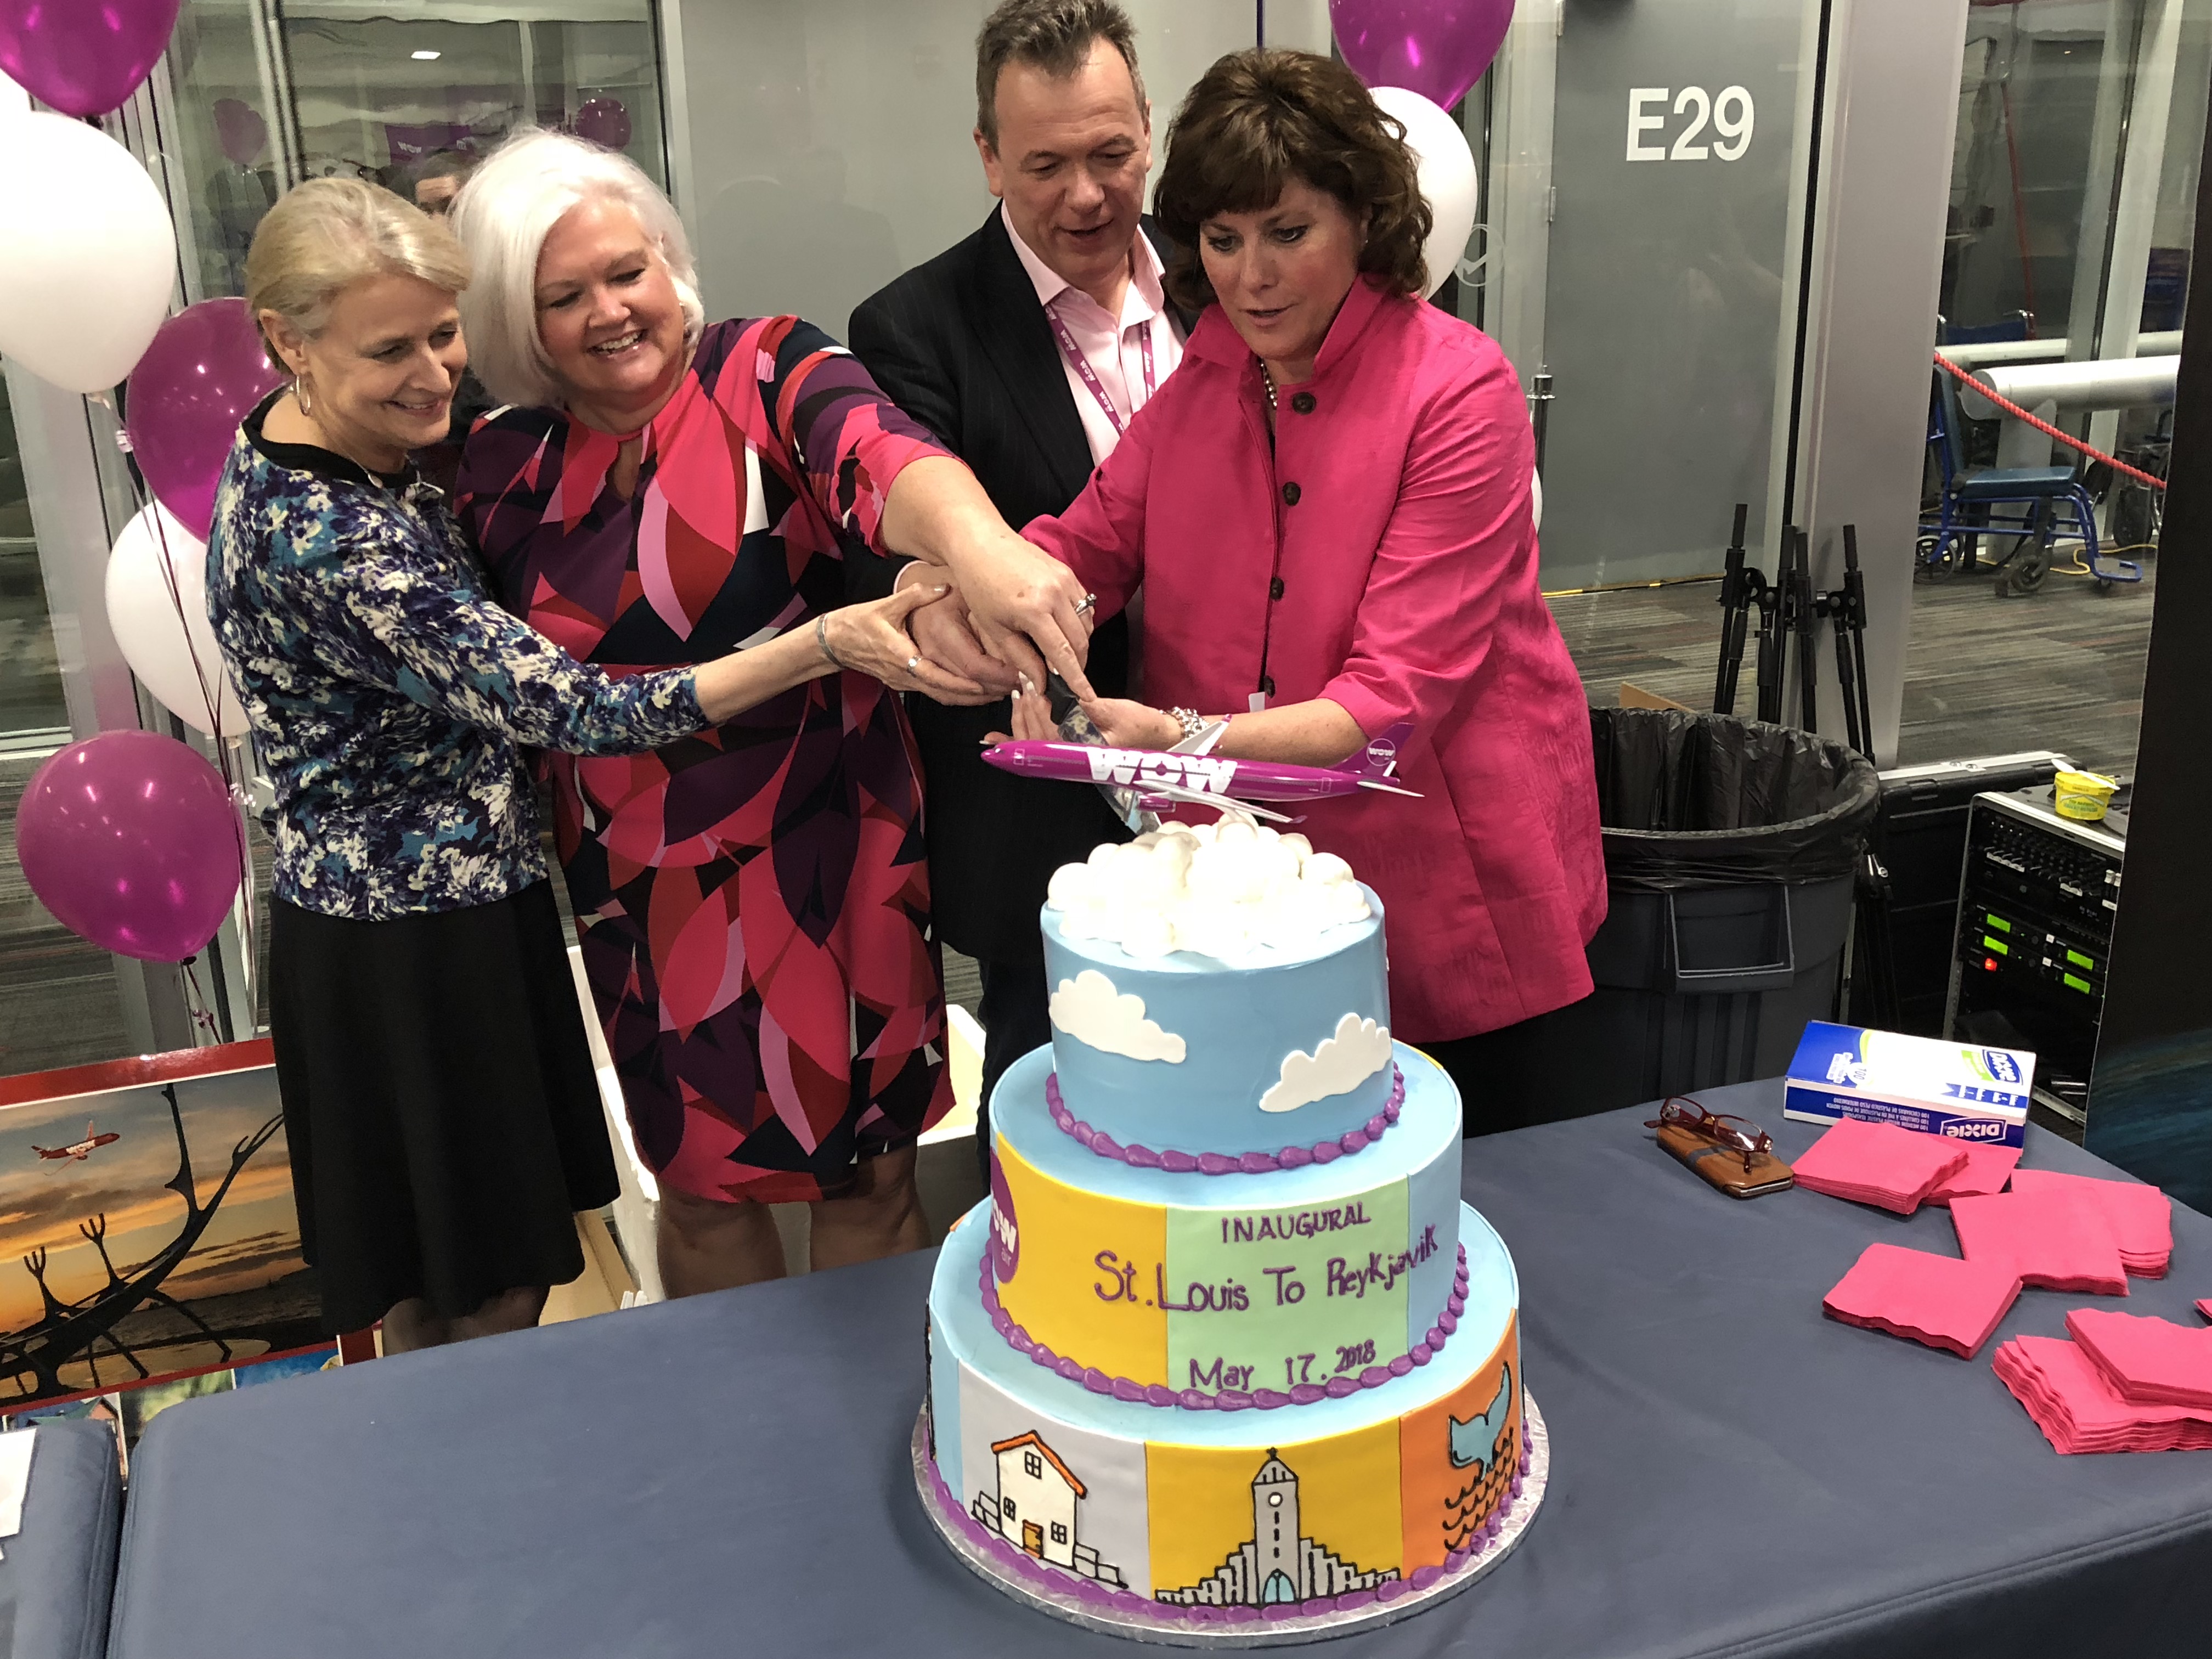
(1190, 720)
(822, 639)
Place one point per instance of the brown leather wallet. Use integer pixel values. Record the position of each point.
(1723, 1166)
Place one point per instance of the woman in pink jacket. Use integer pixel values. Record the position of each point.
(1328, 506)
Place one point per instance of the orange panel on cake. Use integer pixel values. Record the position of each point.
(1457, 1456)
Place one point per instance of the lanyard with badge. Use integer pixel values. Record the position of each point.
(1088, 376)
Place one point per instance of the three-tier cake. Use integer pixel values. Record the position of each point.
(1224, 1354)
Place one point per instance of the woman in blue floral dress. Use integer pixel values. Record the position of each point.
(439, 1100)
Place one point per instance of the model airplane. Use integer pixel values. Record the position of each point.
(81, 1150)
(1191, 774)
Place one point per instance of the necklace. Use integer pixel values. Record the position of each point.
(1268, 382)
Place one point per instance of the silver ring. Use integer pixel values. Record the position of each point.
(913, 663)
(1090, 602)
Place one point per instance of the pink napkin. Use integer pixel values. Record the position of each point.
(2139, 1216)
(1936, 1299)
(2050, 1239)
(1878, 1164)
(2149, 1362)
(1988, 1169)
(2078, 1410)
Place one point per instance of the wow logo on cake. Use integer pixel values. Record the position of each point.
(1006, 1229)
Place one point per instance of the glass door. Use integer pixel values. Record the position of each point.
(1649, 169)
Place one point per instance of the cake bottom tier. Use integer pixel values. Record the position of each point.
(1218, 1517)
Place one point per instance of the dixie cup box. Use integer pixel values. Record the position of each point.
(1959, 1090)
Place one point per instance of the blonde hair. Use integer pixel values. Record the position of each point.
(503, 216)
(325, 236)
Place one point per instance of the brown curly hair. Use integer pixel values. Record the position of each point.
(1260, 118)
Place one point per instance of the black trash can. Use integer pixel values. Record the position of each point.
(1731, 849)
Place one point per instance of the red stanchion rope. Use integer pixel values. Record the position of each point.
(2044, 427)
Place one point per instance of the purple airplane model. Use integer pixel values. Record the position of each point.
(1150, 781)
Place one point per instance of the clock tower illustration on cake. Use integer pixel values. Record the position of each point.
(1280, 1563)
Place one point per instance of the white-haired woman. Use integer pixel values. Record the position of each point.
(439, 1095)
(755, 903)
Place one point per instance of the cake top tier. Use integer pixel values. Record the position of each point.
(1219, 990)
(1236, 891)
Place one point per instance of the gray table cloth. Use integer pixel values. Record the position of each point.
(57, 1574)
(1732, 1474)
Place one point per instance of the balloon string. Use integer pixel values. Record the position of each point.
(249, 938)
(212, 698)
(232, 765)
(196, 1002)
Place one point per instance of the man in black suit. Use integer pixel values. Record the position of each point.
(1027, 348)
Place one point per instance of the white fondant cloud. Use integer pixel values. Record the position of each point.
(1090, 1010)
(1358, 1050)
(1218, 889)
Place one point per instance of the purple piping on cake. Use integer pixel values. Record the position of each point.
(1220, 1163)
(1012, 1560)
(1228, 1399)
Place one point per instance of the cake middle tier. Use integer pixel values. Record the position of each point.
(1301, 1281)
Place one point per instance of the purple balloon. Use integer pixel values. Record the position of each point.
(203, 372)
(131, 839)
(1438, 48)
(602, 121)
(83, 57)
(240, 129)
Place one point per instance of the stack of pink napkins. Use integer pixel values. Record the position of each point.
(1878, 1164)
(2079, 1410)
(2140, 1217)
(1986, 1170)
(2051, 1238)
(1936, 1299)
(2149, 1362)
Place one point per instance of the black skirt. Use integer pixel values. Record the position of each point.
(440, 1102)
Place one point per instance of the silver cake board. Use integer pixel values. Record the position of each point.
(1144, 1621)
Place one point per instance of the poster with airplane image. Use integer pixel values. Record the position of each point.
(147, 1228)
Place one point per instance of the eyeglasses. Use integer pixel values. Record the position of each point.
(1737, 1134)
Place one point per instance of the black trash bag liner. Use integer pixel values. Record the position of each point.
(1705, 800)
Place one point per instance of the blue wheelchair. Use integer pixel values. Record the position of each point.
(2031, 506)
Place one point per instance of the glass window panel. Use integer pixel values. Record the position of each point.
(31, 707)
(1670, 245)
(2020, 177)
(215, 113)
(375, 93)
(829, 143)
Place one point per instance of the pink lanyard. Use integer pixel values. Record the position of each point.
(1088, 376)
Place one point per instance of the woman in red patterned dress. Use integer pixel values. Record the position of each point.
(755, 901)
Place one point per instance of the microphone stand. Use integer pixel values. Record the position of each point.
(1736, 598)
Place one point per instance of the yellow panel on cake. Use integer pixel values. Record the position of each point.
(1080, 1276)
(1259, 1526)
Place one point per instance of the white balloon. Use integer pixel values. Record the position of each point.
(91, 254)
(1447, 174)
(143, 613)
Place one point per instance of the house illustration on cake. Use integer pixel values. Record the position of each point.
(1034, 1509)
(1280, 1563)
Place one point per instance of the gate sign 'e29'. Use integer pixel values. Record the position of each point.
(1729, 115)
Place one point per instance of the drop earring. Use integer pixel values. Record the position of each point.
(299, 396)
